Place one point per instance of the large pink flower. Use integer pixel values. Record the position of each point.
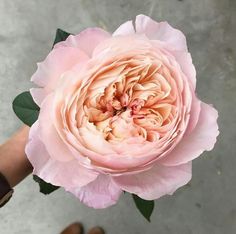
(119, 113)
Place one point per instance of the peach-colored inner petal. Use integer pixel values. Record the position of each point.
(132, 98)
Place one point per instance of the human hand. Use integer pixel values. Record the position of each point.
(14, 164)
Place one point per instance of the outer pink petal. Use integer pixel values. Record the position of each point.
(86, 40)
(38, 95)
(66, 174)
(51, 69)
(202, 138)
(158, 181)
(56, 63)
(161, 31)
(55, 145)
(99, 194)
(194, 114)
(185, 61)
(125, 29)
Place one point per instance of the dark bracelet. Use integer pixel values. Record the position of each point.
(5, 190)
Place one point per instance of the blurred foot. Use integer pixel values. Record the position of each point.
(74, 228)
(96, 230)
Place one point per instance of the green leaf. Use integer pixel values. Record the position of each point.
(145, 207)
(25, 108)
(45, 188)
(61, 35)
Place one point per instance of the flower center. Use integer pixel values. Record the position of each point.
(117, 112)
(137, 102)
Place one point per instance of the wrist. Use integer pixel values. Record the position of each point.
(5, 191)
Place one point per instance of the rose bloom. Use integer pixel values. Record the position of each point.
(119, 113)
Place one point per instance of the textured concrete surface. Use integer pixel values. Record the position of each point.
(208, 204)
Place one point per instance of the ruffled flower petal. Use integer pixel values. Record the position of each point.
(49, 71)
(99, 194)
(65, 174)
(202, 138)
(126, 28)
(161, 31)
(86, 40)
(156, 182)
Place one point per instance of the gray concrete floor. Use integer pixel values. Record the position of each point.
(208, 204)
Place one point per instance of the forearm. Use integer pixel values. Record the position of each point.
(14, 164)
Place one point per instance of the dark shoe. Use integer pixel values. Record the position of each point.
(74, 228)
(96, 230)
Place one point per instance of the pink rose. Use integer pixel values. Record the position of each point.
(119, 113)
